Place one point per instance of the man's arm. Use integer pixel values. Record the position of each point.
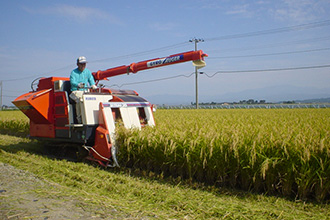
(73, 81)
(91, 80)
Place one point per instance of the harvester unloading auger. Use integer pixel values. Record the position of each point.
(52, 114)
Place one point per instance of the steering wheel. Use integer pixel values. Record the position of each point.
(35, 83)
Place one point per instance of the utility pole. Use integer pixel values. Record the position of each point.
(196, 69)
(1, 96)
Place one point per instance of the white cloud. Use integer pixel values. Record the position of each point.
(76, 13)
(238, 9)
(293, 11)
(245, 10)
(300, 11)
(163, 26)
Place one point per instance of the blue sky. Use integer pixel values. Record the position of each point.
(44, 38)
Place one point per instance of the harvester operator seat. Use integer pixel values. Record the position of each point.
(67, 87)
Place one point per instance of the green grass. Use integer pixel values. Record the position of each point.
(138, 196)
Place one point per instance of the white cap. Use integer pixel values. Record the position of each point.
(81, 59)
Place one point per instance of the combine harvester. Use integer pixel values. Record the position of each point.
(52, 112)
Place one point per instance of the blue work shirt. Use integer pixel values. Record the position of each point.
(77, 77)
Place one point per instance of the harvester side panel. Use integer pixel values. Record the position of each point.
(90, 110)
(149, 116)
(104, 135)
(42, 130)
(36, 105)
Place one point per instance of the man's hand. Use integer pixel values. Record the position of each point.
(81, 85)
(94, 86)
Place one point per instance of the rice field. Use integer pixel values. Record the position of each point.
(272, 151)
(14, 122)
(277, 151)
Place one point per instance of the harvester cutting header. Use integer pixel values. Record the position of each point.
(53, 114)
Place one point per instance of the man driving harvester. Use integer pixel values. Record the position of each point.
(79, 78)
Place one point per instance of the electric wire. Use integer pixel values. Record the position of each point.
(267, 70)
(153, 80)
(250, 34)
(9, 96)
(142, 53)
(103, 60)
(5, 90)
(223, 57)
(218, 72)
(272, 31)
(297, 42)
(38, 75)
(235, 36)
(224, 72)
(270, 54)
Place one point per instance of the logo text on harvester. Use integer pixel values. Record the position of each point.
(164, 61)
(90, 98)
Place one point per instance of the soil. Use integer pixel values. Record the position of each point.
(25, 196)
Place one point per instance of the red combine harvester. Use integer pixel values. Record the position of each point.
(52, 112)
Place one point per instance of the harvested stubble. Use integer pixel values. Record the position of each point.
(277, 151)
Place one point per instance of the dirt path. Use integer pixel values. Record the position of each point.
(22, 196)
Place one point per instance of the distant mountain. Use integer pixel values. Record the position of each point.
(270, 94)
(322, 100)
(277, 93)
(170, 99)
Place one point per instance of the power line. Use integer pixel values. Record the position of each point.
(249, 34)
(269, 70)
(9, 96)
(38, 75)
(142, 53)
(102, 60)
(270, 54)
(5, 90)
(231, 71)
(273, 31)
(311, 40)
(153, 80)
(218, 72)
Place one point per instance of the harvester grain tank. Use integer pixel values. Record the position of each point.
(52, 112)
